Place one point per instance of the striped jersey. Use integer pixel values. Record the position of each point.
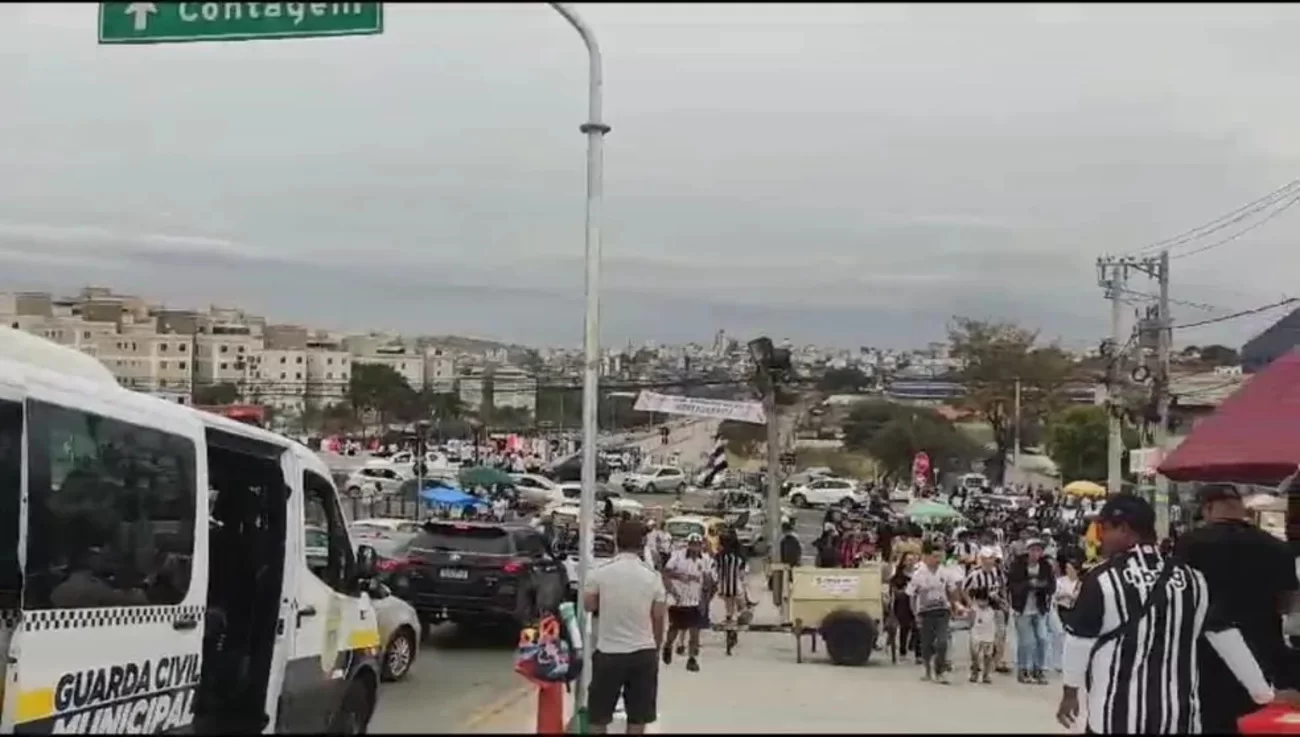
(993, 580)
(729, 570)
(1143, 681)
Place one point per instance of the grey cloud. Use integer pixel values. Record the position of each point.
(852, 172)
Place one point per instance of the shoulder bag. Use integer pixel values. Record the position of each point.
(1159, 591)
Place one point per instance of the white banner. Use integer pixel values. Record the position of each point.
(1144, 461)
(720, 409)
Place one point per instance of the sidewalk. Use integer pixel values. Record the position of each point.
(760, 689)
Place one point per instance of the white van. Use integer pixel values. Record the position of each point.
(153, 574)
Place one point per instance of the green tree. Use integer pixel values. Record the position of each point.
(216, 394)
(843, 380)
(866, 419)
(445, 406)
(378, 388)
(743, 438)
(559, 406)
(1078, 440)
(896, 444)
(1219, 355)
(994, 357)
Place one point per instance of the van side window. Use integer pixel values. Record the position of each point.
(11, 479)
(329, 551)
(111, 511)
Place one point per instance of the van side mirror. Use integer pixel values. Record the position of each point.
(367, 560)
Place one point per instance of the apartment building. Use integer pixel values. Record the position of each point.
(388, 350)
(440, 370)
(506, 386)
(513, 388)
(329, 370)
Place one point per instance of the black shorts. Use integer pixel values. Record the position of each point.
(685, 617)
(634, 676)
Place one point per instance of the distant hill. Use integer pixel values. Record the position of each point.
(473, 345)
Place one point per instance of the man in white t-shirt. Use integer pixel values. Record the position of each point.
(628, 595)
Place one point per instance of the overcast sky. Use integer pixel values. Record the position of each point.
(839, 173)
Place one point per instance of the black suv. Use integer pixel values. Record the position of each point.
(569, 470)
(478, 572)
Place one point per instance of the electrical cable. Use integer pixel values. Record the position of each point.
(1235, 315)
(1222, 221)
(1224, 241)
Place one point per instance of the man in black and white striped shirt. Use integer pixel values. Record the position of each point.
(1131, 641)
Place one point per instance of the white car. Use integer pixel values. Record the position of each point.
(573, 493)
(827, 492)
(364, 530)
(399, 628)
(404, 462)
(654, 479)
(372, 481)
(603, 549)
(902, 494)
(537, 490)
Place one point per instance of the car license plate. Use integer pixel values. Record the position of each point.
(460, 574)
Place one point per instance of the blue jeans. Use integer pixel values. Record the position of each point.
(1032, 641)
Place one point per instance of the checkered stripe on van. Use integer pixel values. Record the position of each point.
(64, 619)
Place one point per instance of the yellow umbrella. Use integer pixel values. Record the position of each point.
(1085, 488)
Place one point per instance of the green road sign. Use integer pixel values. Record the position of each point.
(146, 23)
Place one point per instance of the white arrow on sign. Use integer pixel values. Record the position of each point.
(141, 11)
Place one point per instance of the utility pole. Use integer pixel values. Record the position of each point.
(1161, 435)
(770, 363)
(1113, 276)
(1015, 431)
(1159, 326)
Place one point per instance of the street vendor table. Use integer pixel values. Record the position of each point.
(1271, 720)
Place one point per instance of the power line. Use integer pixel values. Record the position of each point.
(1223, 241)
(1222, 221)
(1183, 302)
(1242, 313)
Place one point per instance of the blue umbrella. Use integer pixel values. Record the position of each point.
(450, 497)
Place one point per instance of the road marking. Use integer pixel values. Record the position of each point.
(495, 708)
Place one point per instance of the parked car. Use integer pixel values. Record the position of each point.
(827, 491)
(372, 481)
(536, 489)
(570, 469)
(653, 479)
(573, 493)
(379, 528)
(399, 633)
(805, 477)
(476, 572)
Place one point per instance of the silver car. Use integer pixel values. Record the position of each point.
(399, 629)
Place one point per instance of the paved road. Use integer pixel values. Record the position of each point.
(460, 679)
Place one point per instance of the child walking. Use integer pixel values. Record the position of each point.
(983, 637)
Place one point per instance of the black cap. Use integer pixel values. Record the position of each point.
(1210, 493)
(1130, 510)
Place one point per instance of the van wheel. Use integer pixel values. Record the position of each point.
(399, 656)
(799, 501)
(353, 716)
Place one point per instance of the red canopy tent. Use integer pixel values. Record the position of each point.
(1253, 437)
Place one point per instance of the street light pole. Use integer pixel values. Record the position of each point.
(595, 130)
